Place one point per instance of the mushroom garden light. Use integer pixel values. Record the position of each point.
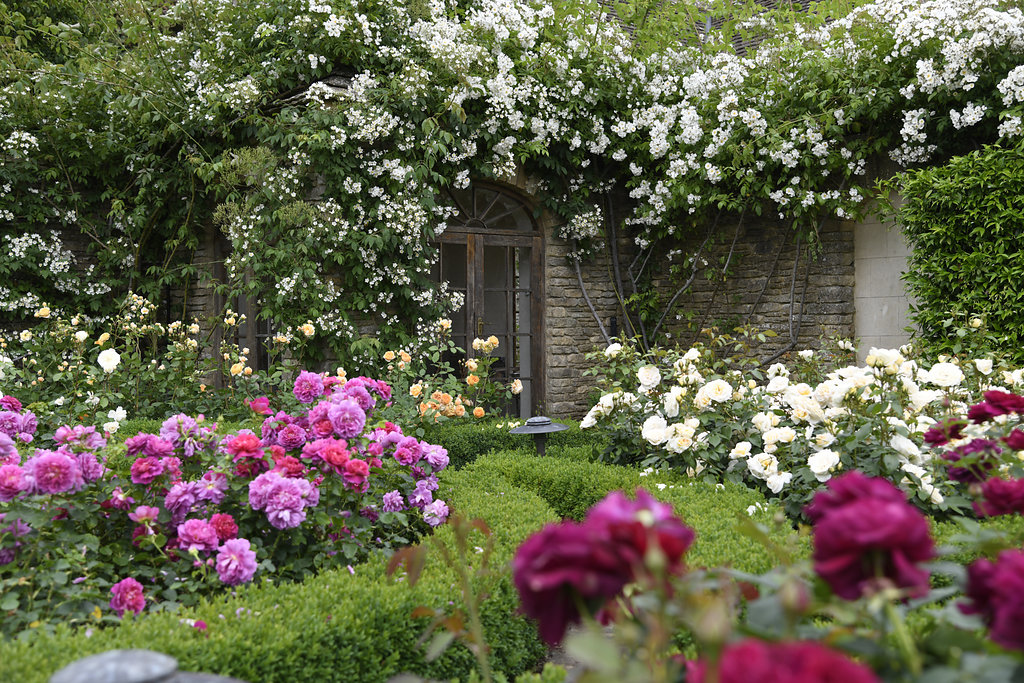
(540, 427)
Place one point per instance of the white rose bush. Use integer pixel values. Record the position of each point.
(789, 429)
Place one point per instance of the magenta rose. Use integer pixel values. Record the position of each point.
(8, 451)
(225, 526)
(347, 417)
(756, 661)
(127, 596)
(868, 537)
(309, 386)
(236, 562)
(145, 470)
(53, 472)
(197, 534)
(637, 524)
(10, 403)
(996, 593)
(291, 437)
(12, 482)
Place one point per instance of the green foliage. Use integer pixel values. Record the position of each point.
(963, 221)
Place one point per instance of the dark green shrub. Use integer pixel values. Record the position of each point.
(963, 221)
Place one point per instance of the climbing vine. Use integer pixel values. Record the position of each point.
(318, 137)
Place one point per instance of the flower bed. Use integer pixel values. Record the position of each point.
(788, 429)
(93, 530)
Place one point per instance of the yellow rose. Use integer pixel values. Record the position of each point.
(406, 358)
(389, 356)
(248, 371)
(43, 312)
(471, 365)
(237, 369)
(478, 412)
(492, 340)
(415, 390)
(103, 338)
(307, 329)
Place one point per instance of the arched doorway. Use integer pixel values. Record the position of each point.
(492, 252)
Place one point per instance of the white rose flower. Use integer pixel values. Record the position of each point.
(111, 427)
(109, 359)
(81, 335)
(824, 440)
(117, 415)
(821, 463)
(764, 421)
(777, 481)
(670, 403)
(905, 447)
(691, 355)
(649, 377)
(590, 419)
(785, 434)
(806, 354)
(654, 430)
(613, 350)
(777, 384)
(740, 450)
(26, 335)
(945, 375)
(984, 365)
(778, 370)
(763, 465)
(718, 390)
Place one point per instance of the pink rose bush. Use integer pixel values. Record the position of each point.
(319, 483)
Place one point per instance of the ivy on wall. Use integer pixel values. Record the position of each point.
(964, 222)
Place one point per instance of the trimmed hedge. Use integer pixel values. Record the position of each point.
(571, 487)
(466, 441)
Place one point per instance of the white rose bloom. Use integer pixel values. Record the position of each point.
(649, 377)
(777, 384)
(654, 430)
(905, 447)
(945, 375)
(806, 354)
(605, 404)
(672, 400)
(763, 465)
(117, 415)
(821, 463)
(685, 429)
(678, 443)
(691, 355)
(777, 481)
(778, 369)
(1015, 377)
(590, 419)
(785, 434)
(824, 440)
(884, 357)
(740, 450)
(984, 365)
(718, 390)
(81, 335)
(613, 350)
(109, 359)
(764, 421)
(111, 427)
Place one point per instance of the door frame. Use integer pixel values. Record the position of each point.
(475, 240)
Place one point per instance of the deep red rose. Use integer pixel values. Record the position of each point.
(755, 661)
(1000, 497)
(943, 432)
(868, 537)
(1014, 440)
(564, 563)
(1005, 402)
(979, 462)
(983, 412)
(224, 525)
(996, 592)
(569, 563)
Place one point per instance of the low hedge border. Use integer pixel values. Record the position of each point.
(468, 440)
